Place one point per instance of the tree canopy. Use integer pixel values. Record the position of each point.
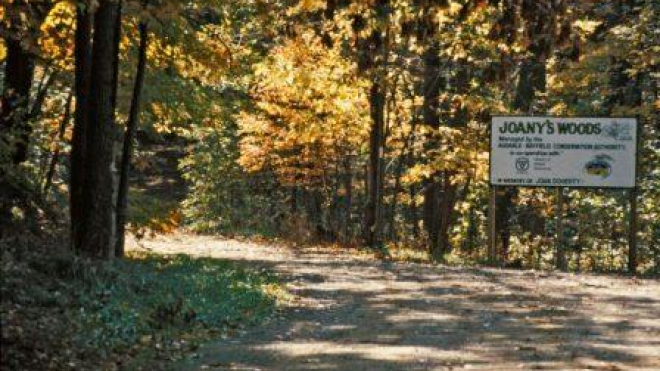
(366, 122)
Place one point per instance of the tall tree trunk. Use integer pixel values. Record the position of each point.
(83, 72)
(19, 73)
(115, 53)
(372, 56)
(98, 228)
(431, 118)
(129, 140)
(373, 208)
(15, 129)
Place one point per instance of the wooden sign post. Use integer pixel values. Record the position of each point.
(492, 227)
(632, 233)
(561, 245)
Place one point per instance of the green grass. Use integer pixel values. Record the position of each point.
(84, 315)
(154, 293)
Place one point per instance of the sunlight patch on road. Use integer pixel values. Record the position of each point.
(372, 351)
(418, 315)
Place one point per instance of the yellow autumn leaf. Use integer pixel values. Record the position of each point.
(3, 50)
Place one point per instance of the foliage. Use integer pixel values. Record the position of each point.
(274, 100)
(225, 198)
(276, 104)
(61, 312)
(296, 137)
(311, 111)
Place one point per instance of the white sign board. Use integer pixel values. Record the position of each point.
(538, 151)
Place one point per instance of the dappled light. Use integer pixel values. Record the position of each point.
(355, 313)
(329, 185)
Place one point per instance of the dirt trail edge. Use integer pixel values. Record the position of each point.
(357, 313)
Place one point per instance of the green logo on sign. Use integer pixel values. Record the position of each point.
(599, 166)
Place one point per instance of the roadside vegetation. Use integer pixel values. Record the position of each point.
(61, 312)
(362, 125)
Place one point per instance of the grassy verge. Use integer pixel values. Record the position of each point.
(63, 313)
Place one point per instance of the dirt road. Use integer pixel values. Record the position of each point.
(357, 313)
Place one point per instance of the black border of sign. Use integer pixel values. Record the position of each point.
(636, 164)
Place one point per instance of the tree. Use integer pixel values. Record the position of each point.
(373, 55)
(129, 139)
(20, 23)
(544, 29)
(431, 86)
(79, 143)
(97, 224)
(19, 71)
(308, 122)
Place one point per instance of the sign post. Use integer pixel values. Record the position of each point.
(492, 228)
(561, 245)
(632, 233)
(581, 152)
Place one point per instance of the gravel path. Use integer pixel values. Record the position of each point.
(356, 313)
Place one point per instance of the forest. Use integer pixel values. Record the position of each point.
(358, 128)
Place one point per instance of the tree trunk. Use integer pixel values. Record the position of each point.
(98, 227)
(294, 200)
(413, 214)
(348, 199)
(19, 72)
(14, 128)
(431, 217)
(372, 225)
(532, 79)
(447, 213)
(115, 53)
(58, 138)
(41, 93)
(431, 118)
(83, 70)
(129, 140)
(398, 173)
(372, 55)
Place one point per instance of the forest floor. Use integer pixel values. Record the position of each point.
(350, 312)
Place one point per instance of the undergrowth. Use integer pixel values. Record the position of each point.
(61, 312)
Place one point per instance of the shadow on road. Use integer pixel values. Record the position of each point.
(360, 314)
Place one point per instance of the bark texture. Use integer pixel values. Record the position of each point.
(83, 71)
(98, 225)
(129, 141)
(19, 73)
